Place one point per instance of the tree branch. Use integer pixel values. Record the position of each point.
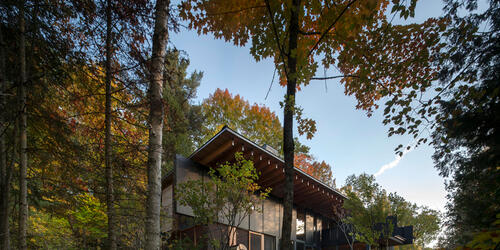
(333, 77)
(235, 11)
(305, 33)
(275, 31)
(330, 27)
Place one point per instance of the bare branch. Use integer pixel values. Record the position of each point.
(305, 33)
(236, 11)
(270, 85)
(333, 77)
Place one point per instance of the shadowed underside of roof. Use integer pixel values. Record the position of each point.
(308, 191)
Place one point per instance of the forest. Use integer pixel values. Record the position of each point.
(96, 102)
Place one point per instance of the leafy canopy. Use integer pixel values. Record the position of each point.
(372, 55)
(256, 122)
(368, 204)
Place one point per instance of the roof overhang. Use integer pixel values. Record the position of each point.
(308, 191)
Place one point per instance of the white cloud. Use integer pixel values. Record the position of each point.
(393, 163)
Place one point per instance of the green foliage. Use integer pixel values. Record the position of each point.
(183, 119)
(49, 232)
(466, 136)
(228, 196)
(89, 220)
(256, 122)
(487, 238)
(184, 243)
(369, 204)
(425, 221)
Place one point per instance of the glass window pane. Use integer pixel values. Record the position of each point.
(309, 227)
(319, 227)
(300, 246)
(269, 242)
(300, 226)
(255, 241)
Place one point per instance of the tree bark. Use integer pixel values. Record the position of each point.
(23, 196)
(5, 171)
(107, 140)
(288, 145)
(160, 38)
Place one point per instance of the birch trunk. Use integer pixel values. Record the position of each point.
(288, 145)
(107, 140)
(23, 196)
(160, 38)
(5, 171)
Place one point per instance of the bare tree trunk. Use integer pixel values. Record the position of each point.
(288, 145)
(160, 38)
(23, 196)
(107, 140)
(5, 171)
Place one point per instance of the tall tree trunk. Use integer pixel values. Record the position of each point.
(5, 171)
(23, 196)
(160, 38)
(107, 140)
(288, 145)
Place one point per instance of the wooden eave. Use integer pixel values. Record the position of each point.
(308, 191)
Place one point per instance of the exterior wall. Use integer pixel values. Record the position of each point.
(185, 170)
(267, 224)
(167, 208)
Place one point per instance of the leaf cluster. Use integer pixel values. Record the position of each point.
(228, 196)
(369, 206)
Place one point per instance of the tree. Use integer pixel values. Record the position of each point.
(298, 33)
(156, 112)
(184, 119)
(368, 204)
(459, 109)
(23, 192)
(320, 170)
(107, 128)
(66, 96)
(256, 122)
(224, 200)
(5, 168)
(259, 124)
(110, 27)
(425, 221)
(25, 46)
(342, 222)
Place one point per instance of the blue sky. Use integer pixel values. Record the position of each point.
(347, 139)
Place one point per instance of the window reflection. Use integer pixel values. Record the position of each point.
(300, 225)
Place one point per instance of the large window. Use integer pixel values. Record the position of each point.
(269, 242)
(256, 241)
(260, 241)
(300, 225)
(300, 246)
(319, 228)
(310, 228)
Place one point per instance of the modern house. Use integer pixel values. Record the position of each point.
(313, 226)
